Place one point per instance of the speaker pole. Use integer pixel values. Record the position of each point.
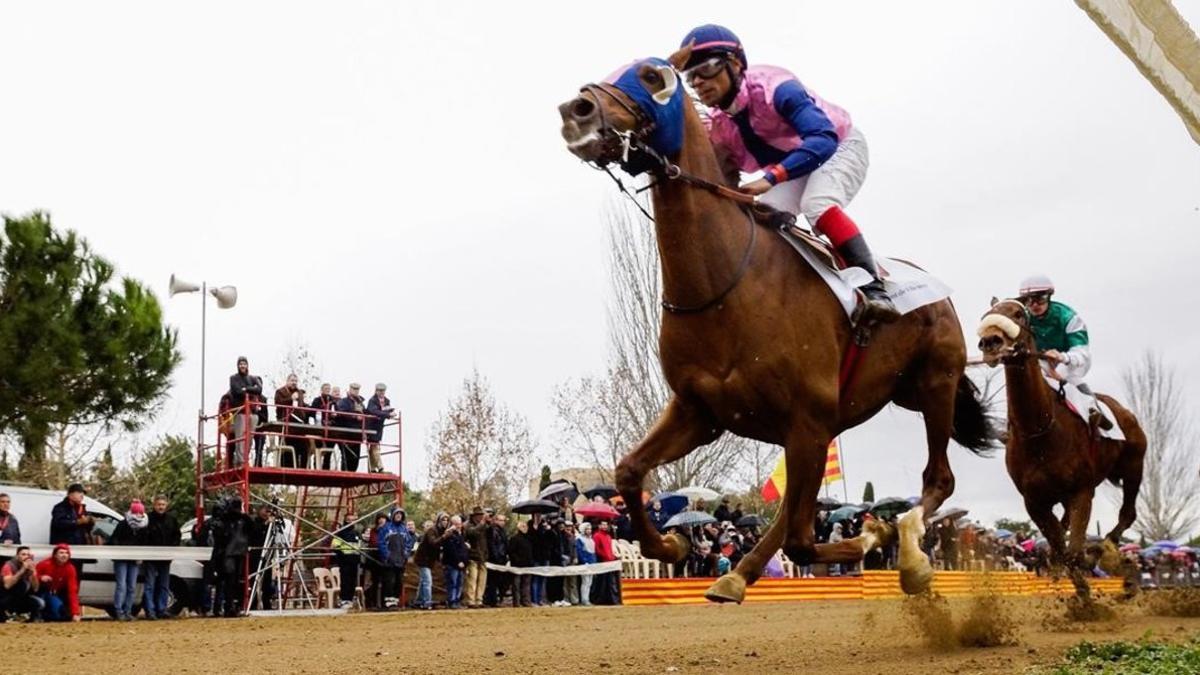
(203, 339)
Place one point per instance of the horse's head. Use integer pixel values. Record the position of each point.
(1004, 332)
(634, 114)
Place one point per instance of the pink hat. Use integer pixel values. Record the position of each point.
(136, 507)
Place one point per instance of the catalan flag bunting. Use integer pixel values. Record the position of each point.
(777, 483)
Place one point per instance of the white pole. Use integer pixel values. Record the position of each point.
(203, 338)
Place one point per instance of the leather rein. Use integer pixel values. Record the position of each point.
(636, 156)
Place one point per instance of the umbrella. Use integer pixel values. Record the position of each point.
(890, 506)
(605, 491)
(951, 513)
(697, 493)
(690, 519)
(1127, 548)
(914, 500)
(964, 523)
(1003, 533)
(530, 506)
(1181, 552)
(1167, 544)
(1151, 552)
(558, 489)
(828, 504)
(1043, 544)
(845, 513)
(671, 502)
(751, 520)
(597, 510)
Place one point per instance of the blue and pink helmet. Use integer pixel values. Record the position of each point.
(712, 40)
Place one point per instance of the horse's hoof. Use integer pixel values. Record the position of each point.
(1110, 558)
(916, 579)
(676, 547)
(729, 588)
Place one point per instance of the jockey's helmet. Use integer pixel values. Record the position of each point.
(1037, 284)
(712, 40)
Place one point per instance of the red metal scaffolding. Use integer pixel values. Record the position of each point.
(313, 437)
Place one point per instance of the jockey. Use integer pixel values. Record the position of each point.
(1061, 336)
(813, 160)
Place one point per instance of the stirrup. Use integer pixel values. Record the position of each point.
(1099, 419)
(875, 306)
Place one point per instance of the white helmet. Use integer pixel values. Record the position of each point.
(1037, 283)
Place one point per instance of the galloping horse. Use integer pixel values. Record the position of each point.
(753, 340)
(1053, 455)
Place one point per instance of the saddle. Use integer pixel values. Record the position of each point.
(773, 218)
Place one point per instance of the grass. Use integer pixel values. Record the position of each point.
(1145, 657)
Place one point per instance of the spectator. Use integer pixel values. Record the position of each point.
(289, 409)
(162, 530)
(58, 582)
(454, 561)
(10, 529)
(835, 537)
(380, 409)
(19, 587)
(569, 557)
(374, 566)
(498, 583)
(477, 557)
(426, 557)
(202, 535)
(69, 520)
(605, 589)
(948, 539)
(658, 517)
(244, 391)
(722, 512)
(394, 549)
(585, 554)
(520, 554)
(540, 536)
(704, 561)
(131, 531)
(350, 416)
(262, 593)
(736, 514)
(622, 524)
(231, 544)
(347, 551)
(325, 402)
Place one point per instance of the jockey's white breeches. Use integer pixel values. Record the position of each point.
(834, 183)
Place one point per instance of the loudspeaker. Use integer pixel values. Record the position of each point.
(226, 296)
(180, 286)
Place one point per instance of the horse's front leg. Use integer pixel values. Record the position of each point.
(1079, 509)
(679, 430)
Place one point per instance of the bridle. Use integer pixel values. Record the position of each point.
(635, 156)
(1017, 350)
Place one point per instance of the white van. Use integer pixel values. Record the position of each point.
(32, 507)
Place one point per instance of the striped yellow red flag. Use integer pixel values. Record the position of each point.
(777, 482)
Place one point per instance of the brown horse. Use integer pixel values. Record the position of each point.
(1053, 455)
(759, 356)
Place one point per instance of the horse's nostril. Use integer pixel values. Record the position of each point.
(582, 109)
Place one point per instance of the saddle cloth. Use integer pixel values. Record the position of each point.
(909, 286)
(1080, 403)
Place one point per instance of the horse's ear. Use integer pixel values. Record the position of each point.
(995, 301)
(680, 58)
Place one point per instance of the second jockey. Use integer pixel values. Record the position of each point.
(761, 118)
(1061, 336)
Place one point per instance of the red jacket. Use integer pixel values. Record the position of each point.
(604, 546)
(62, 577)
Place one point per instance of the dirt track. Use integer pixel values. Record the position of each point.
(826, 637)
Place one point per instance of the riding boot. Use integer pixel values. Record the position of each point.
(846, 238)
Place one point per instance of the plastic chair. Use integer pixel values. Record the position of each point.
(316, 459)
(326, 588)
(282, 450)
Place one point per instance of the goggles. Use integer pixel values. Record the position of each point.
(1035, 299)
(706, 69)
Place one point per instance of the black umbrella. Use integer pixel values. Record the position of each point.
(605, 491)
(530, 506)
(828, 504)
(890, 506)
(558, 489)
(751, 520)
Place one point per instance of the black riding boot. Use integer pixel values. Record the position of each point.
(878, 307)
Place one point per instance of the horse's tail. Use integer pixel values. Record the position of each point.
(973, 427)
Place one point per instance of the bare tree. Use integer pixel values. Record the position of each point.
(479, 450)
(1167, 501)
(298, 360)
(600, 419)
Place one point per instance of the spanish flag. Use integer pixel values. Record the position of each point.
(777, 483)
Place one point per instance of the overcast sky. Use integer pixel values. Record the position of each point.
(386, 183)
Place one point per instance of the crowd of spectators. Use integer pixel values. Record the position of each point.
(328, 420)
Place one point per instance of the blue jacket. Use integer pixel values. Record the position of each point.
(585, 556)
(377, 411)
(10, 529)
(395, 543)
(63, 526)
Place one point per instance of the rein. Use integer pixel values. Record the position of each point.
(638, 157)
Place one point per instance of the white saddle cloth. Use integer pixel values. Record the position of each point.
(1080, 403)
(909, 287)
